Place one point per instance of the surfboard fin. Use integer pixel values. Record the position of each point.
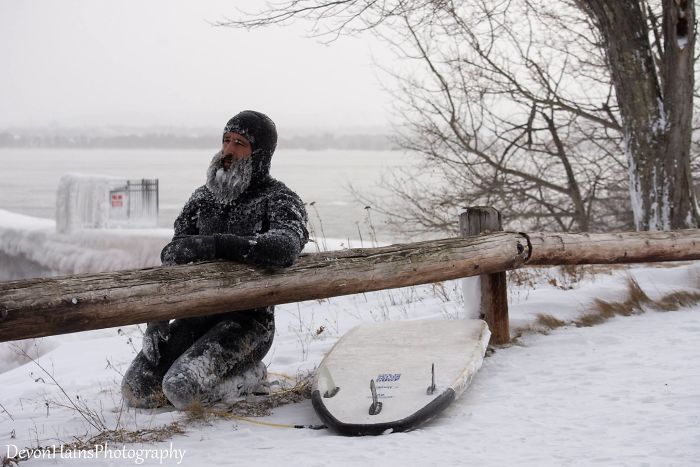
(328, 386)
(431, 388)
(376, 406)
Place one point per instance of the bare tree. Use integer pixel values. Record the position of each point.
(498, 118)
(535, 107)
(654, 82)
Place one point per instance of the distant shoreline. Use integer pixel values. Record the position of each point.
(182, 140)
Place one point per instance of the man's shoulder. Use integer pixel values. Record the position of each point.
(201, 195)
(274, 188)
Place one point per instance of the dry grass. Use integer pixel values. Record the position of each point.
(563, 277)
(637, 302)
(603, 310)
(549, 321)
(123, 436)
(159, 399)
(262, 406)
(196, 412)
(677, 300)
(544, 323)
(521, 277)
(590, 319)
(253, 406)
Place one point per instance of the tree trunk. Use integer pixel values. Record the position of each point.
(655, 105)
(678, 86)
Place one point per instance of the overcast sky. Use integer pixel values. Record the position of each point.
(159, 62)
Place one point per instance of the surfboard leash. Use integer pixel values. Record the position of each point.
(277, 425)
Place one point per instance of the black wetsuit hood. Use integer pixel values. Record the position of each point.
(260, 130)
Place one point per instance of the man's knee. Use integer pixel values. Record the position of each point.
(145, 387)
(193, 376)
(182, 388)
(141, 385)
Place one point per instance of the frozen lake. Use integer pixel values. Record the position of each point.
(29, 178)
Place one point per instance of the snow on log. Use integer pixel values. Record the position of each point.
(43, 307)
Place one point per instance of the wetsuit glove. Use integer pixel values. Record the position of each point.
(155, 334)
(233, 247)
(189, 249)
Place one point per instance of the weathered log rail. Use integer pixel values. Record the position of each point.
(42, 307)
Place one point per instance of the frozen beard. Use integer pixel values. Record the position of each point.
(227, 185)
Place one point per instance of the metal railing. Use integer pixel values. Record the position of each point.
(135, 203)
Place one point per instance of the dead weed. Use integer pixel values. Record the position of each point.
(637, 302)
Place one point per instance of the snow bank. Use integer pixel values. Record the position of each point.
(31, 247)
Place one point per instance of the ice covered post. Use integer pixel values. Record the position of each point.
(494, 290)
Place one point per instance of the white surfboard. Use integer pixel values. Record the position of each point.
(396, 375)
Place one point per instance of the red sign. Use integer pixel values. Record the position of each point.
(117, 201)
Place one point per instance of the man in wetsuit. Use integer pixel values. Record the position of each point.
(240, 214)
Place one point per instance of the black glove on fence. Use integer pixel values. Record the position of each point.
(197, 248)
(271, 250)
(188, 249)
(233, 247)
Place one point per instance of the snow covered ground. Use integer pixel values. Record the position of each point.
(625, 392)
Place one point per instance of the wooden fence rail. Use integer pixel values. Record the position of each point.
(42, 307)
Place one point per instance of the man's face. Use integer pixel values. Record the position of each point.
(234, 147)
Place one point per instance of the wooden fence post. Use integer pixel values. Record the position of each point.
(494, 290)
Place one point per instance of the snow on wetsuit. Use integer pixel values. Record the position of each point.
(208, 358)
